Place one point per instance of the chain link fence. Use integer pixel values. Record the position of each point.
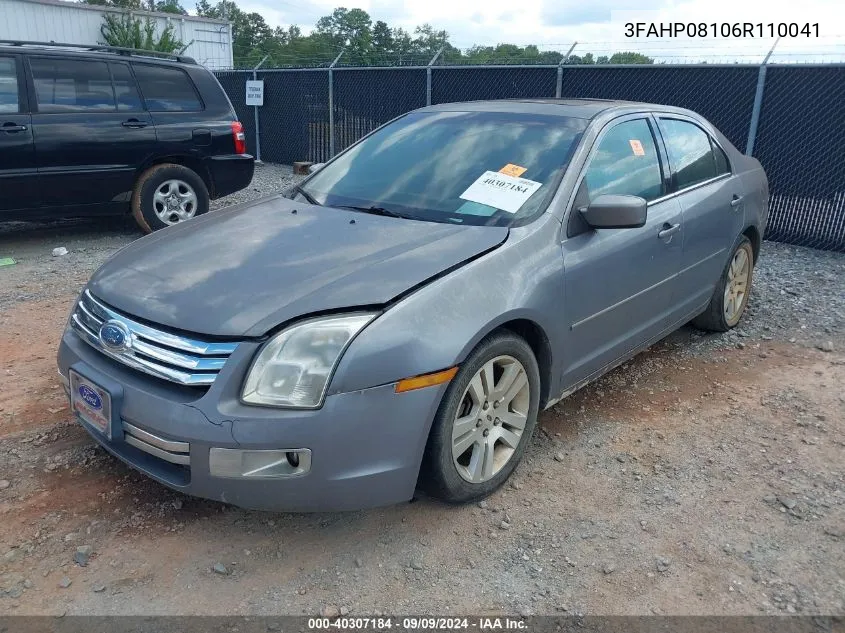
(366, 98)
(791, 115)
(723, 95)
(801, 143)
(495, 82)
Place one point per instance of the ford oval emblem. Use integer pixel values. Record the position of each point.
(91, 397)
(115, 336)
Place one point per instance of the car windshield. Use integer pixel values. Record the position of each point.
(482, 168)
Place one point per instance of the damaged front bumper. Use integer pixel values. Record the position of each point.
(360, 449)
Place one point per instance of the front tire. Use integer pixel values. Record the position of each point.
(167, 194)
(485, 421)
(730, 298)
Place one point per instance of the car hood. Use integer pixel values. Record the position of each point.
(242, 271)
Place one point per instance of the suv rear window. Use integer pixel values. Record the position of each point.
(167, 89)
(63, 85)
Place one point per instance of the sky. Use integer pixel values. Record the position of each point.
(598, 25)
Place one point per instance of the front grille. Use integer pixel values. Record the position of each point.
(173, 357)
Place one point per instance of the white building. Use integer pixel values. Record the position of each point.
(209, 41)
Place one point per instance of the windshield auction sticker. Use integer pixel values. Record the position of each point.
(513, 170)
(504, 192)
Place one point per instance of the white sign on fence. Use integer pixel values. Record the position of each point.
(255, 92)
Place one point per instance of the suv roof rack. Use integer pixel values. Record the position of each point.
(108, 49)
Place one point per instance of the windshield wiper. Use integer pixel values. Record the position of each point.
(311, 200)
(374, 210)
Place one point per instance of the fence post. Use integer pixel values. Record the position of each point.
(428, 76)
(758, 103)
(255, 108)
(559, 85)
(331, 104)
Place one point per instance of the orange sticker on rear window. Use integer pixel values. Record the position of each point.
(512, 170)
(637, 147)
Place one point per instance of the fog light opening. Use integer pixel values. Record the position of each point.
(235, 463)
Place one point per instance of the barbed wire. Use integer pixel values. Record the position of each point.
(667, 42)
(830, 49)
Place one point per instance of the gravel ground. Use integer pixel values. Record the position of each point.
(268, 179)
(703, 477)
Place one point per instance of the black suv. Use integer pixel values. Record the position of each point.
(101, 130)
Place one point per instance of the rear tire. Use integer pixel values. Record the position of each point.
(484, 422)
(730, 298)
(167, 194)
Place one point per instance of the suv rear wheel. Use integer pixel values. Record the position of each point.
(167, 194)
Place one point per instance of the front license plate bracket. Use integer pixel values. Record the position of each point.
(96, 386)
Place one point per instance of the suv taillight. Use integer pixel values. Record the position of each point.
(239, 137)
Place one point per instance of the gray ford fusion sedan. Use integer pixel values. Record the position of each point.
(397, 321)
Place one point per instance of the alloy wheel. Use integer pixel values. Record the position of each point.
(736, 288)
(174, 201)
(491, 419)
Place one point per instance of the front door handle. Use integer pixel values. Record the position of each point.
(736, 201)
(668, 230)
(134, 123)
(11, 127)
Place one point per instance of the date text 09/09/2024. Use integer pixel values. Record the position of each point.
(721, 29)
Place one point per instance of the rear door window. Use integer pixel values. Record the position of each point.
(125, 88)
(69, 85)
(722, 164)
(9, 91)
(625, 163)
(167, 89)
(690, 152)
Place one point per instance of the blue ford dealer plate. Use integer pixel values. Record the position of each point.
(90, 402)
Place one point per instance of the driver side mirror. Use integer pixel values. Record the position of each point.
(315, 167)
(616, 212)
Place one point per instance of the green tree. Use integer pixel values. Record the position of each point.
(429, 40)
(170, 6)
(578, 59)
(362, 40)
(629, 57)
(550, 57)
(382, 38)
(252, 37)
(136, 5)
(163, 6)
(349, 29)
(511, 54)
(403, 43)
(128, 32)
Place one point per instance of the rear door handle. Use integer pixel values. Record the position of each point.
(11, 127)
(134, 123)
(736, 201)
(668, 230)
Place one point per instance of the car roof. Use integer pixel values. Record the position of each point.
(78, 51)
(573, 108)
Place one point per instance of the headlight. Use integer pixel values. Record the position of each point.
(293, 368)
